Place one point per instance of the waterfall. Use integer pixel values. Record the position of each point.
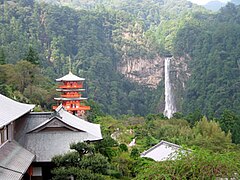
(169, 99)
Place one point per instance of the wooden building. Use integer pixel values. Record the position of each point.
(29, 139)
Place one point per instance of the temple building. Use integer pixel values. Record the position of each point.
(29, 140)
(165, 151)
(71, 88)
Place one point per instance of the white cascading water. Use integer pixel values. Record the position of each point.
(170, 108)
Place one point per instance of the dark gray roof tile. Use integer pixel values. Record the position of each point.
(11, 110)
(14, 160)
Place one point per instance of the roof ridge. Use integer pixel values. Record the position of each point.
(158, 144)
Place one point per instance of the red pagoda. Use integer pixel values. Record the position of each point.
(71, 98)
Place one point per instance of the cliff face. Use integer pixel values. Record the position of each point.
(150, 72)
(147, 72)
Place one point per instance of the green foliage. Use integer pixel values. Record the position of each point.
(210, 155)
(47, 35)
(209, 135)
(2, 57)
(135, 153)
(123, 147)
(78, 174)
(32, 56)
(96, 163)
(194, 117)
(123, 164)
(81, 164)
(82, 148)
(212, 42)
(107, 147)
(25, 83)
(98, 36)
(94, 112)
(199, 164)
(229, 121)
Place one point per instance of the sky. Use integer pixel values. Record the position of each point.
(202, 2)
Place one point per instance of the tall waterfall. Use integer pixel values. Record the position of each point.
(170, 108)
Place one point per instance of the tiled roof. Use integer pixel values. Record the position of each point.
(75, 122)
(47, 143)
(10, 110)
(14, 160)
(70, 77)
(162, 151)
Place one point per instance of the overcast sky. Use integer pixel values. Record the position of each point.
(202, 2)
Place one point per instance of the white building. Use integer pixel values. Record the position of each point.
(163, 151)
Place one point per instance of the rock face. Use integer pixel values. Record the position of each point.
(179, 75)
(147, 72)
(150, 72)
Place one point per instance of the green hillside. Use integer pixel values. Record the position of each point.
(98, 36)
(213, 42)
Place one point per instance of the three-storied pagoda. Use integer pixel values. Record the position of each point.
(71, 98)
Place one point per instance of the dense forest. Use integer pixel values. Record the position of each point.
(37, 40)
(41, 40)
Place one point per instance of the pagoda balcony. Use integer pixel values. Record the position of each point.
(70, 99)
(70, 90)
(71, 95)
(85, 108)
(71, 87)
(79, 108)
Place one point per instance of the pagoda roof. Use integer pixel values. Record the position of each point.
(69, 90)
(70, 77)
(69, 99)
(11, 110)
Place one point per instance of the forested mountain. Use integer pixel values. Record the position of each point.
(213, 43)
(103, 38)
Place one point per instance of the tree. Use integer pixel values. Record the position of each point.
(81, 163)
(135, 153)
(2, 57)
(23, 75)
(4, 88)
(32, 56)
(229, 121)
(82, 148)
(107, 147)
(209, 135)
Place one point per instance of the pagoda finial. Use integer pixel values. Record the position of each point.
(70, 64)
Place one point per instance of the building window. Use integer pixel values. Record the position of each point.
(37, 171)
